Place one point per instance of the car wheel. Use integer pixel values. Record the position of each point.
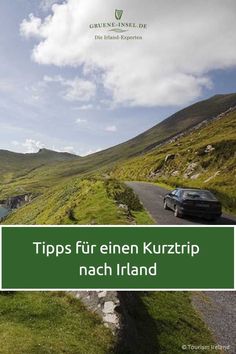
(177, 212)
(165, 205)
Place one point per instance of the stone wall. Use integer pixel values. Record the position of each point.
(105, 303)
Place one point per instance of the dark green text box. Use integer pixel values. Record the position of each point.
(212, 268)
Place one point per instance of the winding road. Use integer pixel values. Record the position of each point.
(152, 195)
(217, 308)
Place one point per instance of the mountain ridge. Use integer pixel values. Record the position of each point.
(14, 164)
(205, 109)
(221, 102)
(16, 176)
(40, 151)
(203, 157)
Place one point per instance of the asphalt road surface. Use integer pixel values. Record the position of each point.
(218, 310)
(152, 198)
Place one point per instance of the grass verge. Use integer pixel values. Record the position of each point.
(49, 322)
(164, 322)
(83, 202)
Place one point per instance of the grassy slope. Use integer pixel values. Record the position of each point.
(45, 176)
(178, 122)
(15, 165)
(55, 323)
(82, 202)
(174, 322)
(215, 170)
(49, 322)
(163, 320)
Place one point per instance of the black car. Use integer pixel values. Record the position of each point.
(193, 202)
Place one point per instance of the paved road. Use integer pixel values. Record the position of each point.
(152, 198)
(218, 309)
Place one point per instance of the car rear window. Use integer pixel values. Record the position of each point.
(203, 195)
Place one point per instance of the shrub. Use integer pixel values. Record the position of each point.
(123, 194)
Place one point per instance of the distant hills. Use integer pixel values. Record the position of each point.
(42, 156)
(169, 127)
(13, 165)
(30, 172)
(54, 155)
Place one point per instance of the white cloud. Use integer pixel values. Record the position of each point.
(32, 27)
(6, 85)
(80, 120)
(185, 39)
(89, 152)
(15, 143)
(111, 128)
(69, 149)
(76, 89)
(35, 93)
(79, 90)
(32, 145)
(50, 79)
(46, 5)
(84, 107)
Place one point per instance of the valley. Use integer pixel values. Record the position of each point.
(193, 148)
(123, 185)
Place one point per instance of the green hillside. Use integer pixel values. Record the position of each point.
(31, 176)
(50, 322)
(72, 190)
(89, 201)
(204, 157)
(56, 323)
(169, 127)
(14, 165)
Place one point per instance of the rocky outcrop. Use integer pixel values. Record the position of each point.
(154, 174)
(209, 149)
(12, 203)
(195, 176)
(175, 173)
(124, 207)
(169, 157)
(190, 169)
(17, 201)
(104, 303)
(211, 177)
(175, 138)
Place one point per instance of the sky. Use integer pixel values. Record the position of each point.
(62, 89)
